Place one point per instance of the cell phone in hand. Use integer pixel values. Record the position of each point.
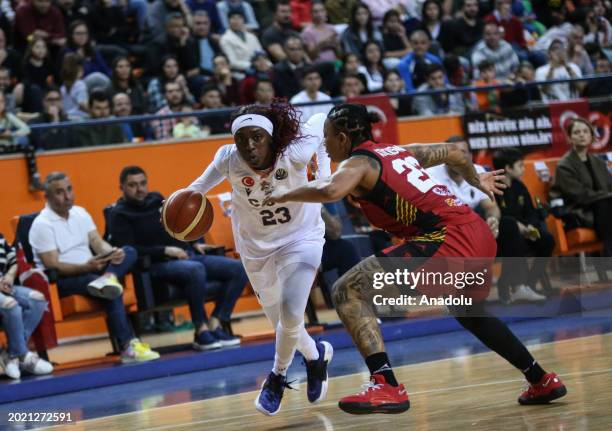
(105, 255)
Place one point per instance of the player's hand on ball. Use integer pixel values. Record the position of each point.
(492, 183)
(276, 197)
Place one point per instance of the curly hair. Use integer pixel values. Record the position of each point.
(355, 120)
(284, 118)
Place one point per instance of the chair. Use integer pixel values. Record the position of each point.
(71, 311)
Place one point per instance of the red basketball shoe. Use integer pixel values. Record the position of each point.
(549, 388)
(377, 397)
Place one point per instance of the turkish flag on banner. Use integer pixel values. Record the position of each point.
(560, 114)
(385, 131)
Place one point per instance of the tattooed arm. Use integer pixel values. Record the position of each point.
(346, 179)
(428, 155)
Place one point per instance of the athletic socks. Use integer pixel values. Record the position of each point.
(534, 373)
(378, 363)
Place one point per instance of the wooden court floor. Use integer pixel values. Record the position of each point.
(476, 392)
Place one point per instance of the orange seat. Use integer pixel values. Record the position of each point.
(580, 236)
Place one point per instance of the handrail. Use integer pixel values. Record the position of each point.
(336, 100)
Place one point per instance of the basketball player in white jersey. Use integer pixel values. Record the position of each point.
(280, 245)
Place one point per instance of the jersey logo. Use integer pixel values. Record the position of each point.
(248, 181)
(280, 174)
(248, 191)
(441, 191)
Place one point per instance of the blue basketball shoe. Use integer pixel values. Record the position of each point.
(316, 370)
(269, 399)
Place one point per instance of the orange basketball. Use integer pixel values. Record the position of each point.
(187, 215)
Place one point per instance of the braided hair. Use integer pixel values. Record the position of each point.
(284, 118)
(354, 120)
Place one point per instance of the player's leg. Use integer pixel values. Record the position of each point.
(350, 294)
(495, 334)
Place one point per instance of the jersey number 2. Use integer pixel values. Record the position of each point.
(268, 219)
(416, 175)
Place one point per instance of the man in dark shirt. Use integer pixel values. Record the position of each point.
(600, 87)
(103, 134)
(176, 41)
(52, 139)
(134, 220)
(467, 30)
(288, 72)
(522, 232)
(275, 36)
(40, 19)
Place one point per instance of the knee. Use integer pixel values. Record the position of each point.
(130, 254)
(9, 305)
(347, 286)
(35, 295)
(292, 322)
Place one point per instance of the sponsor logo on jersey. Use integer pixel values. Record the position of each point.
(266, 187)
(248, 181)
(280, 174)
(441, 191)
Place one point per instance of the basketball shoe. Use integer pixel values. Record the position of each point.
(377, 397)
(316, 371)
(549, 388)
(269, 399)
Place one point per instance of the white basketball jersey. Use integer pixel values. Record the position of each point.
(261, 230)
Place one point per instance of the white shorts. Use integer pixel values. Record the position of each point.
(263, 273)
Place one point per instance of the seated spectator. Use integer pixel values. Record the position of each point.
(488, 99)
(558, 67)
(576, 53)
(350, 66)
(21, 309)
(223, 79)
(226, 7)
(73, 10)
(394, 84)
(496, 50)
(600, 30)
(275, 36)
(412, 67)
(39, 19)
(74, 90)
(584, 183)
(6, 88)
(208, 45)
(558, 28)
(466, 193)
(359, 31)
(600, 87)
(351, 86)
(439, 103)
(9, 58)
(261, 68)
(238, 44)
(467, 29)
(264, 92)
(13, 131)
(169, 73)
(63, 237)
(100, 134)
(209, 9)
(520, 95)
(338, 253)
(288, 72)
(440, 32)
(174, 41)
(95, 70)
(175, 100)
(134, 222)
(218, 123)
(512, 26)
(320, 38)
(395, 39)
(158, 12)
(311, 84)
(52, 138)
(37, 74)
(134, 131)
(338, 10)
(521, 233)
(123, 81)
(372, 68)
(187, 127)
(112, 28)
(379, 7)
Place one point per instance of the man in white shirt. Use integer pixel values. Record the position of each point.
(311, 84)
(559, 68)
(63, 237)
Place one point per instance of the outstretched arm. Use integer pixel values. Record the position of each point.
(347, 177)
(428, 155)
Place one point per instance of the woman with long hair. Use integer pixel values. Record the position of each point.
(37, 75)
(373, 68)
(124, 82)
(75, 97)
(79, 41)
(431, 22)
(280, 245)
(360, 30)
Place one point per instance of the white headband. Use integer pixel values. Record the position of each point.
(250, 120)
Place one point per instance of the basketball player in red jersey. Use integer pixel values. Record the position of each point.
(396, 195)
